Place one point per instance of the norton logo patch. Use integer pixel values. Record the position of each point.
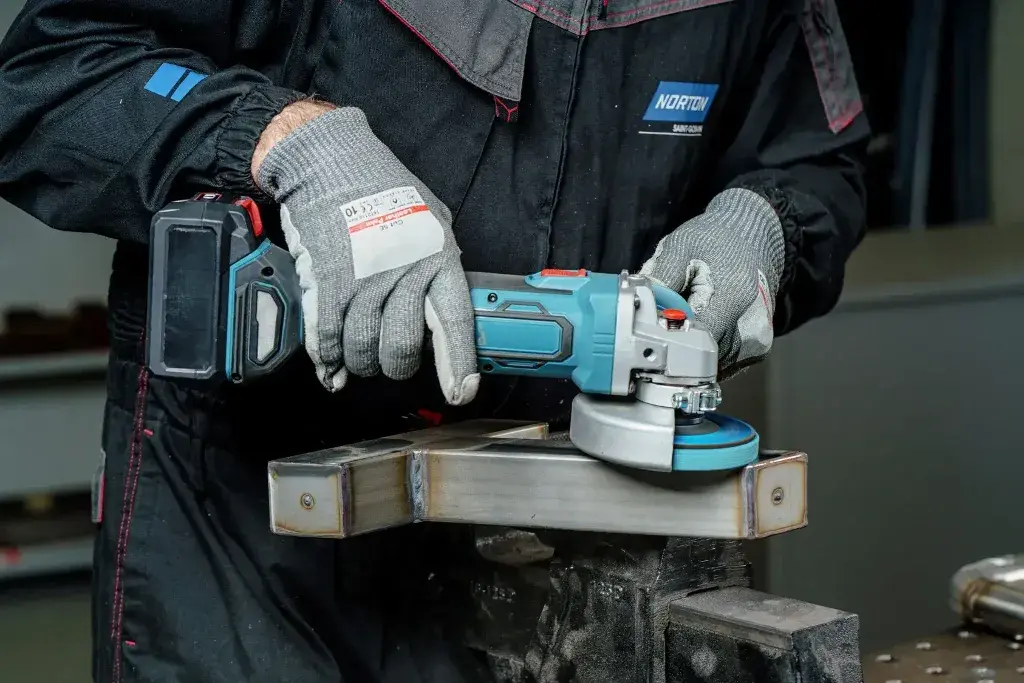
(679, 109)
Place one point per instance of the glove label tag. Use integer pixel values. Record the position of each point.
(755, 328)
(391, 229)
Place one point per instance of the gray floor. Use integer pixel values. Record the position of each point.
(44, 631)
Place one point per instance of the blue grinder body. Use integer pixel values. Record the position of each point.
(225, 305)
(556, 324)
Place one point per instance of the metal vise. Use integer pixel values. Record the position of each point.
(573, 570)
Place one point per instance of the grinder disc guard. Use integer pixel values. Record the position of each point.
(713, 442)
(632, 433)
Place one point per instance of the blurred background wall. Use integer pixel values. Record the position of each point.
(907, 398)
(81, 264)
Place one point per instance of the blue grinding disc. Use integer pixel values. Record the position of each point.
(714, 442)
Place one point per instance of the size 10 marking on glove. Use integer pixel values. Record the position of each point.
(391, 229)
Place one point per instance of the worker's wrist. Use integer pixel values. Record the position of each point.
(286, 121)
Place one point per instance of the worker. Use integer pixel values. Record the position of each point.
(712, 145)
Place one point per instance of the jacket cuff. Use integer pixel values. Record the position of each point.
(240, 133)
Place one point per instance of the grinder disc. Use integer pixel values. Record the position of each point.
(713, 442)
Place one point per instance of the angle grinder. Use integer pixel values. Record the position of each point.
(225, 305)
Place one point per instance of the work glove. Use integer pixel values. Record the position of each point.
(375, 256)
(727, 263)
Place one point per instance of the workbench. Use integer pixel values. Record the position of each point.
(966, 653)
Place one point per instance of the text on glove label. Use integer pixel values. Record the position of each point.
(391, 229)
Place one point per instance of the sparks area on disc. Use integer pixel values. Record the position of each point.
(713, 442)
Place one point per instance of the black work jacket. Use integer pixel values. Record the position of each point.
(563, 133)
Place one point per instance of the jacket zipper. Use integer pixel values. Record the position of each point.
(570, 101)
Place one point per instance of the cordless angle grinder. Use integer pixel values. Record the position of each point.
(225, 306)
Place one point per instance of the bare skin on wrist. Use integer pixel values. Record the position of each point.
(287, 120)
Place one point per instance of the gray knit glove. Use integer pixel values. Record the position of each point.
(727, 262)
(375, 255)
